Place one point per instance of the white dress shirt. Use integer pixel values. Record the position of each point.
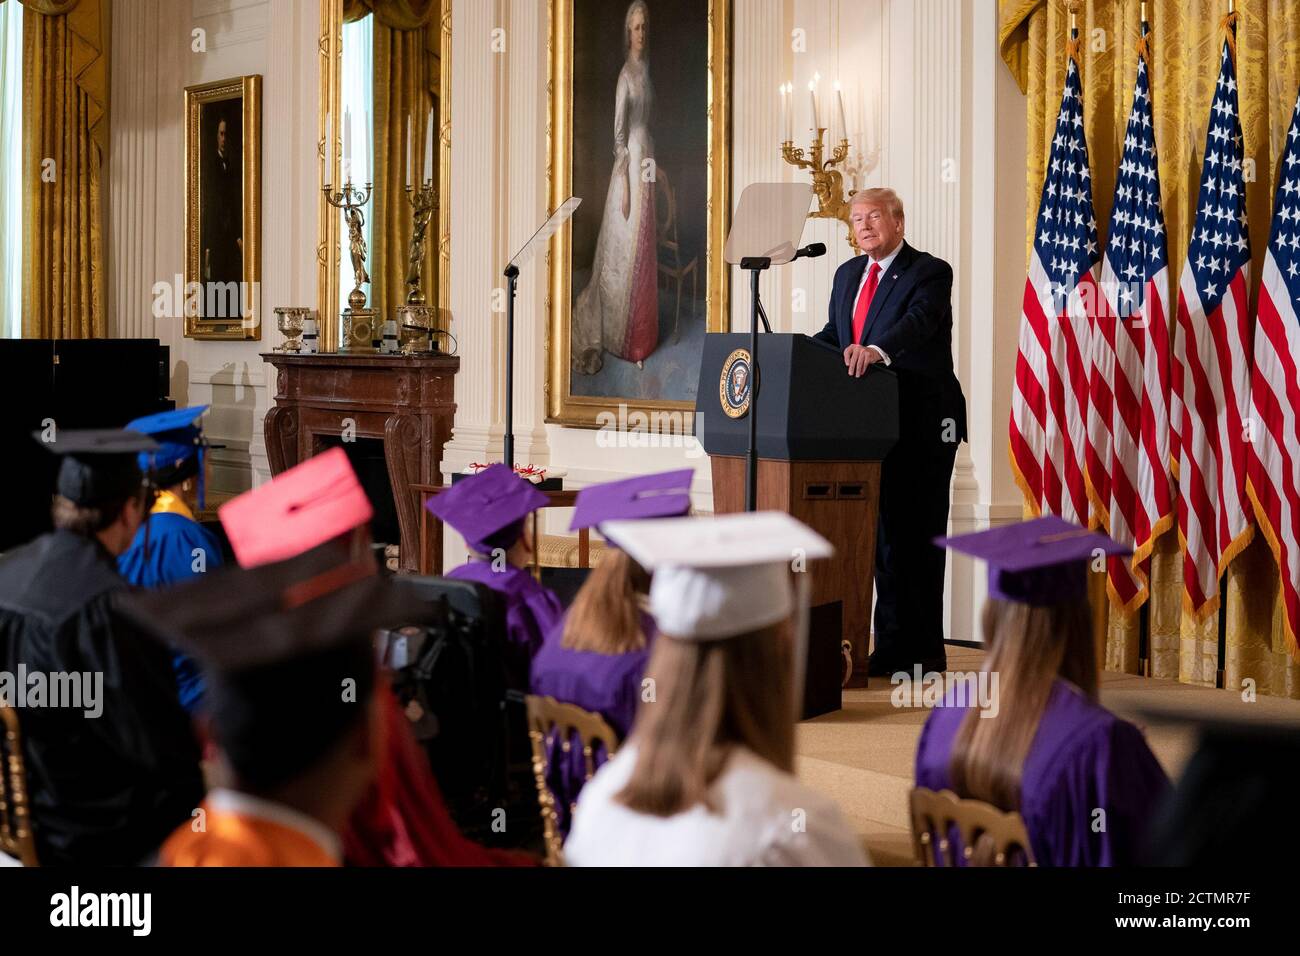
(884, 264)
(765, 817)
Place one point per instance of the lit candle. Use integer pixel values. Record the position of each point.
(347, 146)
(329, 149)
(844, 124)
(781, 93)
(812, 97)
(428, 148)
(789, 113)
(410, 169)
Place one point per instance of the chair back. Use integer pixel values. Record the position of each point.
(666, 214)
(547, 718)
(16, 838)
(936, 815)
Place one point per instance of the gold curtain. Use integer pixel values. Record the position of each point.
(1186, 40)
(406, 78)
(65, 143)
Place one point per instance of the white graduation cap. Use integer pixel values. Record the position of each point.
(721, 576)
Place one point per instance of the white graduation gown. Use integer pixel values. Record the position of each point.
(766, 818)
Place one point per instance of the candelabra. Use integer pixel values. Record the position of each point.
(828, 182)
(415, 318)
(358, 320)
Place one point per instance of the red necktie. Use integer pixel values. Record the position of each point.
(864, 301)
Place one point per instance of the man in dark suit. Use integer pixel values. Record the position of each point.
(893, 306)
(221, 219)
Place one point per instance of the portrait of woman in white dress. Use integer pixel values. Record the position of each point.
(617, 313)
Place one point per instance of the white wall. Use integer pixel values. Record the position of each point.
(950, 138)
(153, 62)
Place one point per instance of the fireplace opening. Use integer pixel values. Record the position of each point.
(367, 458)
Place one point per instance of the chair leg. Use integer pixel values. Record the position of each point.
(677, 312)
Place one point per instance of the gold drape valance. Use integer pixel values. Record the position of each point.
(87, 27)
(1185, 44)
(394, 14)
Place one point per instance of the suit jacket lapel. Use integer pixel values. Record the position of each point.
(886, 287)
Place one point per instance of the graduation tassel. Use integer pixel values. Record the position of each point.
(203, 451)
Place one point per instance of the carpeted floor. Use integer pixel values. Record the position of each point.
(862, 755)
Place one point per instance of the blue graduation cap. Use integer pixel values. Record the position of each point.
(181, 447)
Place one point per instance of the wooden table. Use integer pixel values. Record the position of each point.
(431, 562)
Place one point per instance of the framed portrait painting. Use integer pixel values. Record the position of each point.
(640, 129)
(223, 206)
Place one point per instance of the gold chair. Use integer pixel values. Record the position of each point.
(936, 813)
(670, 252)
(16, 837)
(548, 717)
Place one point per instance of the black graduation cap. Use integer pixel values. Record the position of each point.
(1237, 791)
(99, 465)
(285, 650)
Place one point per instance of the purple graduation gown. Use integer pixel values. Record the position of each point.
(531, 609)
(1083, 758)
(606, 684)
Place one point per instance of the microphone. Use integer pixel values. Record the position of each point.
(811, 251)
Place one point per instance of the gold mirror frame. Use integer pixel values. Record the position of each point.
(564, 408)
(328, 225)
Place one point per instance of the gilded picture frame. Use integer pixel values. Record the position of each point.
(709, 104)
(223, 209)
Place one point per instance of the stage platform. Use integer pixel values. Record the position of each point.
(862, 755)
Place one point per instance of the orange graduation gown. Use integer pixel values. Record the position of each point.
(236, 839)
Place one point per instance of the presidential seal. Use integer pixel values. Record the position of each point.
(736, 384)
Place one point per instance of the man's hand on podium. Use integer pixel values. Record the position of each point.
(857, 358)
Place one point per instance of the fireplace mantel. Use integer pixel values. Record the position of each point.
(406, 401)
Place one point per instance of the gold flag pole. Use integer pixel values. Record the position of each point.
(1072, 43)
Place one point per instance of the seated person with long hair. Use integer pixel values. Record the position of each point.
(706, 778)
(490, 511)
(1085, 781)
(596, 656)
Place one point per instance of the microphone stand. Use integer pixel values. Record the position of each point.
(756, 265)
(512, 275)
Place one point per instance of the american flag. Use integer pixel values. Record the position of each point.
(1213, 351)
(1129, 421)
(1274, 470)
(1049, 404)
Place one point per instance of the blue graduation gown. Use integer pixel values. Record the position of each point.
(173, 540)
(606, 684)
(1083, 758)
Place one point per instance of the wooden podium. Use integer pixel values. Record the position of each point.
(821, 437)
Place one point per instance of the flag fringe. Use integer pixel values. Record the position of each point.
(1030, 504)
(1274, 545)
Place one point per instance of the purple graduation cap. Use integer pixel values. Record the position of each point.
(488, 509)
(666, 494)
(1040, 562)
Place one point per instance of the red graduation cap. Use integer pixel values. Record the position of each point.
(304, 507)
